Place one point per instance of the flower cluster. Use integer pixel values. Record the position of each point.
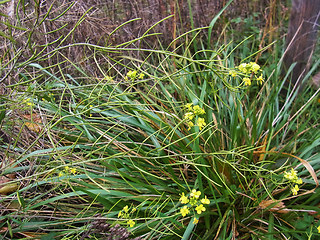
(194, 202)
(249, 71)
(132, 75)
(67, 170)
(49, 96)
(293, 179)
(194, 112)
(28, 102)
(125, 213)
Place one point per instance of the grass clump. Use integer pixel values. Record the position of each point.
(202, 145)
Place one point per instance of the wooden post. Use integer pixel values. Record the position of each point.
(302, 37)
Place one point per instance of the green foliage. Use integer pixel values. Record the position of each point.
(183, 149)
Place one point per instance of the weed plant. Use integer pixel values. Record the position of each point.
(202, 145)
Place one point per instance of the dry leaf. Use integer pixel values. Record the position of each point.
(32, 235)
(33, 117)
(276, 206)
(33, 123)
(279, 207)
(9, 188)
(35, 127)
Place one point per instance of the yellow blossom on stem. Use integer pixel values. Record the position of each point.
(131, 223)
(291, 176)
(132, 74)
(189, 106)
(73, 170)
(141, 75)
(201, 123)
(243, 67)
(125, 209)
(205, 200)
(247, 81)
(184, 211)
(60, 174)
(183, 199)
(295, 190)
(189, 116)
(190, 125)
(260, 79)
(318, 228)
(233, 73)
(195, 194)
(254, 67)
(195, 221)
(198, 110)
(200, 209)
(298, 181)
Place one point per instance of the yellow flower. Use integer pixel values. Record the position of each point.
(189, 116)
(184, 211)
(233, 73)
(247, 81)
(200, 209)
(205, 200)
(119, 214)
(200, 123)
(189, 106)
(190, 125)
(198, 110)
(260, 79)
(291, 176)
(254, 67)
(195, 221)
(126, 209)
(66, 168)
(293, 172)
(28, 102)
(60, 174)
(184, 199)
(141, 75)
(195, 194)
(318, 229)
(131, 223)
(73, 170)
(243, 67)
(132, 74)
(295, 190)
(298, 181)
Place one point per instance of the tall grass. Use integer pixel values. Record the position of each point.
(89, 153)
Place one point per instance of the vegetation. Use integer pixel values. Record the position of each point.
(197, 143)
